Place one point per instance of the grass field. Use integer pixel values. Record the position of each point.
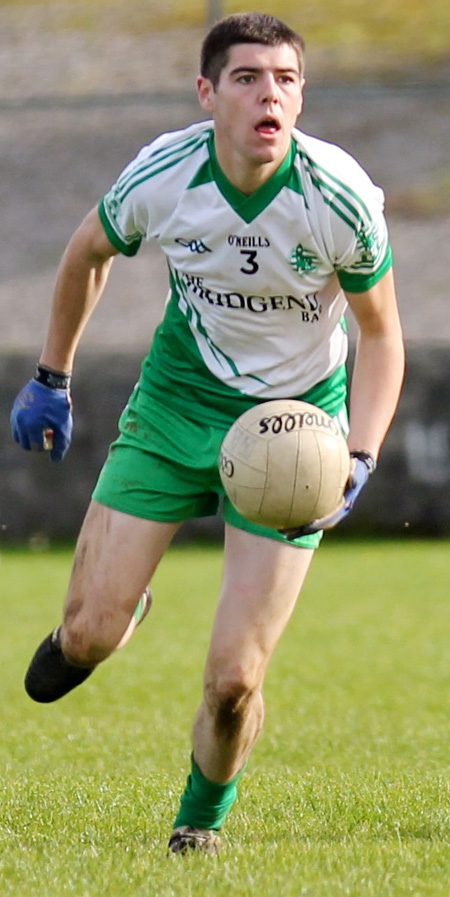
(347, 792)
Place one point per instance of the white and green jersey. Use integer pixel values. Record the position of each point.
(255, 308)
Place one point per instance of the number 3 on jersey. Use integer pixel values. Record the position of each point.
(251, 266)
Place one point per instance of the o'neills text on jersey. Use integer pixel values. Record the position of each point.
(309, 305)
(248, 242)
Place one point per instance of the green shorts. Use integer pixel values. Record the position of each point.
(164, 466)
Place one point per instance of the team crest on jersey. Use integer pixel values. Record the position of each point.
(303, 260)
(368, 242)
(113, 202)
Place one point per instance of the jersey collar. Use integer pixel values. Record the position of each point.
(249, 207)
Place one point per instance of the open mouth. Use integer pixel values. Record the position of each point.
(268, 125)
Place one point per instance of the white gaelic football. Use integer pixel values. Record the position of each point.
(284, 464)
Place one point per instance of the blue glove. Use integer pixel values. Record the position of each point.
(363, 465)
(41, 417)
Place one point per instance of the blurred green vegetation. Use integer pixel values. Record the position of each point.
(396, 31)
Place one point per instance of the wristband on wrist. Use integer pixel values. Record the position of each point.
(51, 378)
(367, 458)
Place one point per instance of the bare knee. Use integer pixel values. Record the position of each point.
(231, 698)
(86, 641)
(79, 649)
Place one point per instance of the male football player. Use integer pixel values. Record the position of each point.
(269, 234)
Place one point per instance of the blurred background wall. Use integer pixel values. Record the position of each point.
(82, 87)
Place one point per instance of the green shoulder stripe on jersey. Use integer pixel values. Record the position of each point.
(337, 194)
(152, 167)
(126, 248)
(359, 283)
(182, 142)
(342, 186)
(162, 154)
(249, 207)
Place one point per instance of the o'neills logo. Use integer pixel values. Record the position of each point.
(309, 305)
(285, 423)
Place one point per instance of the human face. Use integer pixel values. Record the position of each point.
(254, 106)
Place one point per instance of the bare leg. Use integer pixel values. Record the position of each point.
(262, 580)
(115, 558)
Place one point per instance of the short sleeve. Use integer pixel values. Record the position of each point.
(123, 212)
(363, 253)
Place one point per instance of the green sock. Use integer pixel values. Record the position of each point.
(206, 804)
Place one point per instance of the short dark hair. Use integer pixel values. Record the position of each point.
(245, 28)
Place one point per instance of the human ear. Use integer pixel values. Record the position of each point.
(205, 93)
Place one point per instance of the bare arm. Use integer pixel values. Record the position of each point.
(81, 279)
(379, 365)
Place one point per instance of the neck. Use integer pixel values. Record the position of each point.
(246, 174)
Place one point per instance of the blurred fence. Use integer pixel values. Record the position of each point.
(61, 149)
(214, 11)
(41, 501)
